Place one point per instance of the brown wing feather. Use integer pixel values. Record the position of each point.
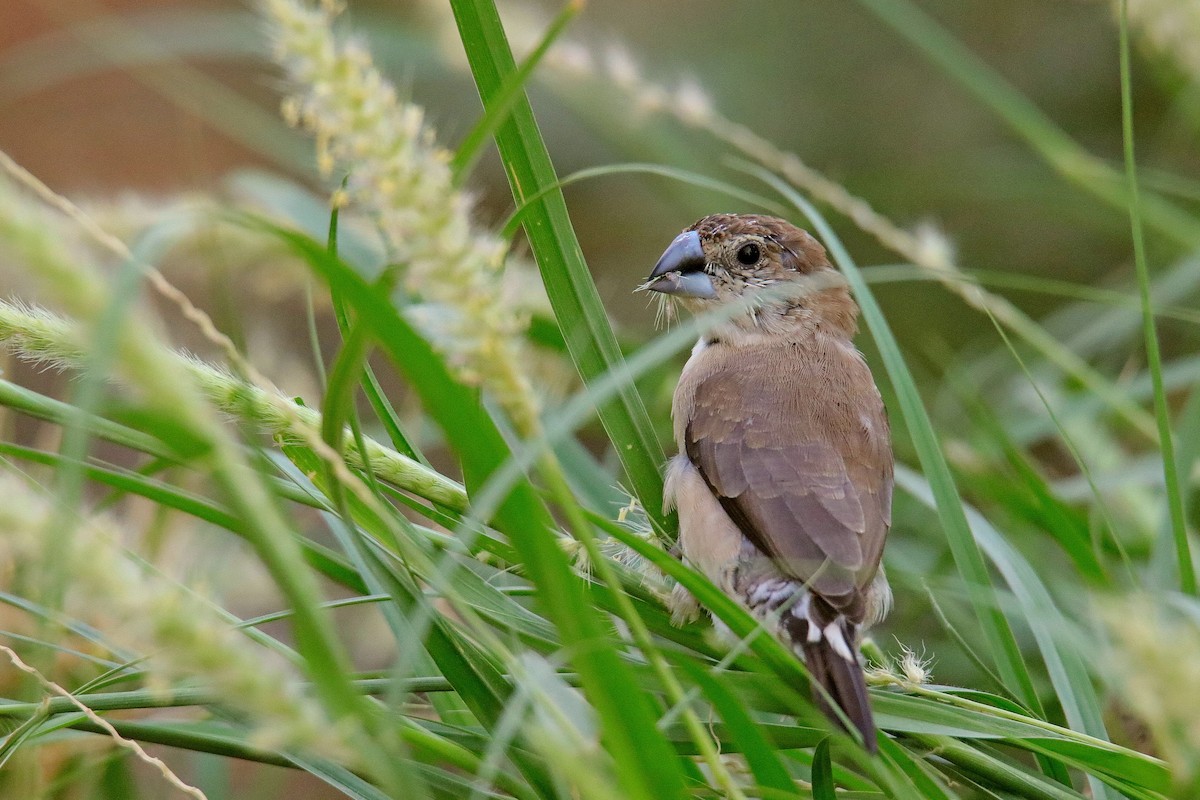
(794, 443)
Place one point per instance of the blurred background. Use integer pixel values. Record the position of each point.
(164, 96)
(128, 106)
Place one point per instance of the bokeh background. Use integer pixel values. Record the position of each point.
(104, 98)
(129, 106)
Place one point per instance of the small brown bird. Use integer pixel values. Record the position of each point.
(783, 482)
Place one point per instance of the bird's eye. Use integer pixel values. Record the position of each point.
(748, 254)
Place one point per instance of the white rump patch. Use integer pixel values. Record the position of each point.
(837, 640)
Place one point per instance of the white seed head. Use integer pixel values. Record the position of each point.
(915, 668)
(401, 178)
(140, 610)
(1170, 28)
(621, 67)
(933, 247)
(693, 105)
(1151, 662)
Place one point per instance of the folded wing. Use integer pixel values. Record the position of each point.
(799, 459)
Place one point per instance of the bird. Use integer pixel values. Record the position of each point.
(783, 477)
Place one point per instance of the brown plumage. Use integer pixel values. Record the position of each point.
(784, 478)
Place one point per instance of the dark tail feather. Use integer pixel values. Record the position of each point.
(845, 684)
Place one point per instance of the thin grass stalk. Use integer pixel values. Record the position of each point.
(648, 768)
(168, 388)
(1060, 652)
(582, 630)
(1162, 414)
(69, 480)
(943, 270)
(1069, 443)
(947, 273)
(577, 411)
(1028, 121)
(936, 264)
(995, 771)
(41, 337)
(580, 314)
(156, 763)
(473, 143)
(552, 472)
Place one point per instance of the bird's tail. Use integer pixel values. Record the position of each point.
(831, 662)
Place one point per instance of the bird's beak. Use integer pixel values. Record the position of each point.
(680, 271)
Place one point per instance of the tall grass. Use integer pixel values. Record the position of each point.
(512, 614)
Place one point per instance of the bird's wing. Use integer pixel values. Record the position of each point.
(796, 448)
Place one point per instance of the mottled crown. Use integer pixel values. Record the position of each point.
(796, 249)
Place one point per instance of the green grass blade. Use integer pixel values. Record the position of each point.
(913, 715)
(18, 736)
(1027, 120)
(581, 317)
(916, 771)
(408, 615)
(506, 96)
(382, 407)
(412, 618)
(686, 177)
(629, 726)
(1010, 776)
(984, 669)
(1188, 451)
(746, 735)
(1029, 496)
(380, 404)
(1066, 664)
(1124, 773)
(320, 558)
(777, 658)
(1162, 414)
(46, 408)
(822, 773)
(456, 409)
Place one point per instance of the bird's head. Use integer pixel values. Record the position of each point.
(779, 269)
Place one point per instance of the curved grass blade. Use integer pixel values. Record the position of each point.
(469, 150)
(778, 659)
(581, 317)
(456, 409)
(475, 681)
(747, 735)
(21, 734)
(822, 773)
(628, 721)
(922, 778)
(370, 383)
(1066, 665)
(328, 563)
(1162, 414)
(517, 218)
(1188, 452)
(995, 771)
(1027, 120)
(45, 408)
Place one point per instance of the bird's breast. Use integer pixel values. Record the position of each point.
(709, 540)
